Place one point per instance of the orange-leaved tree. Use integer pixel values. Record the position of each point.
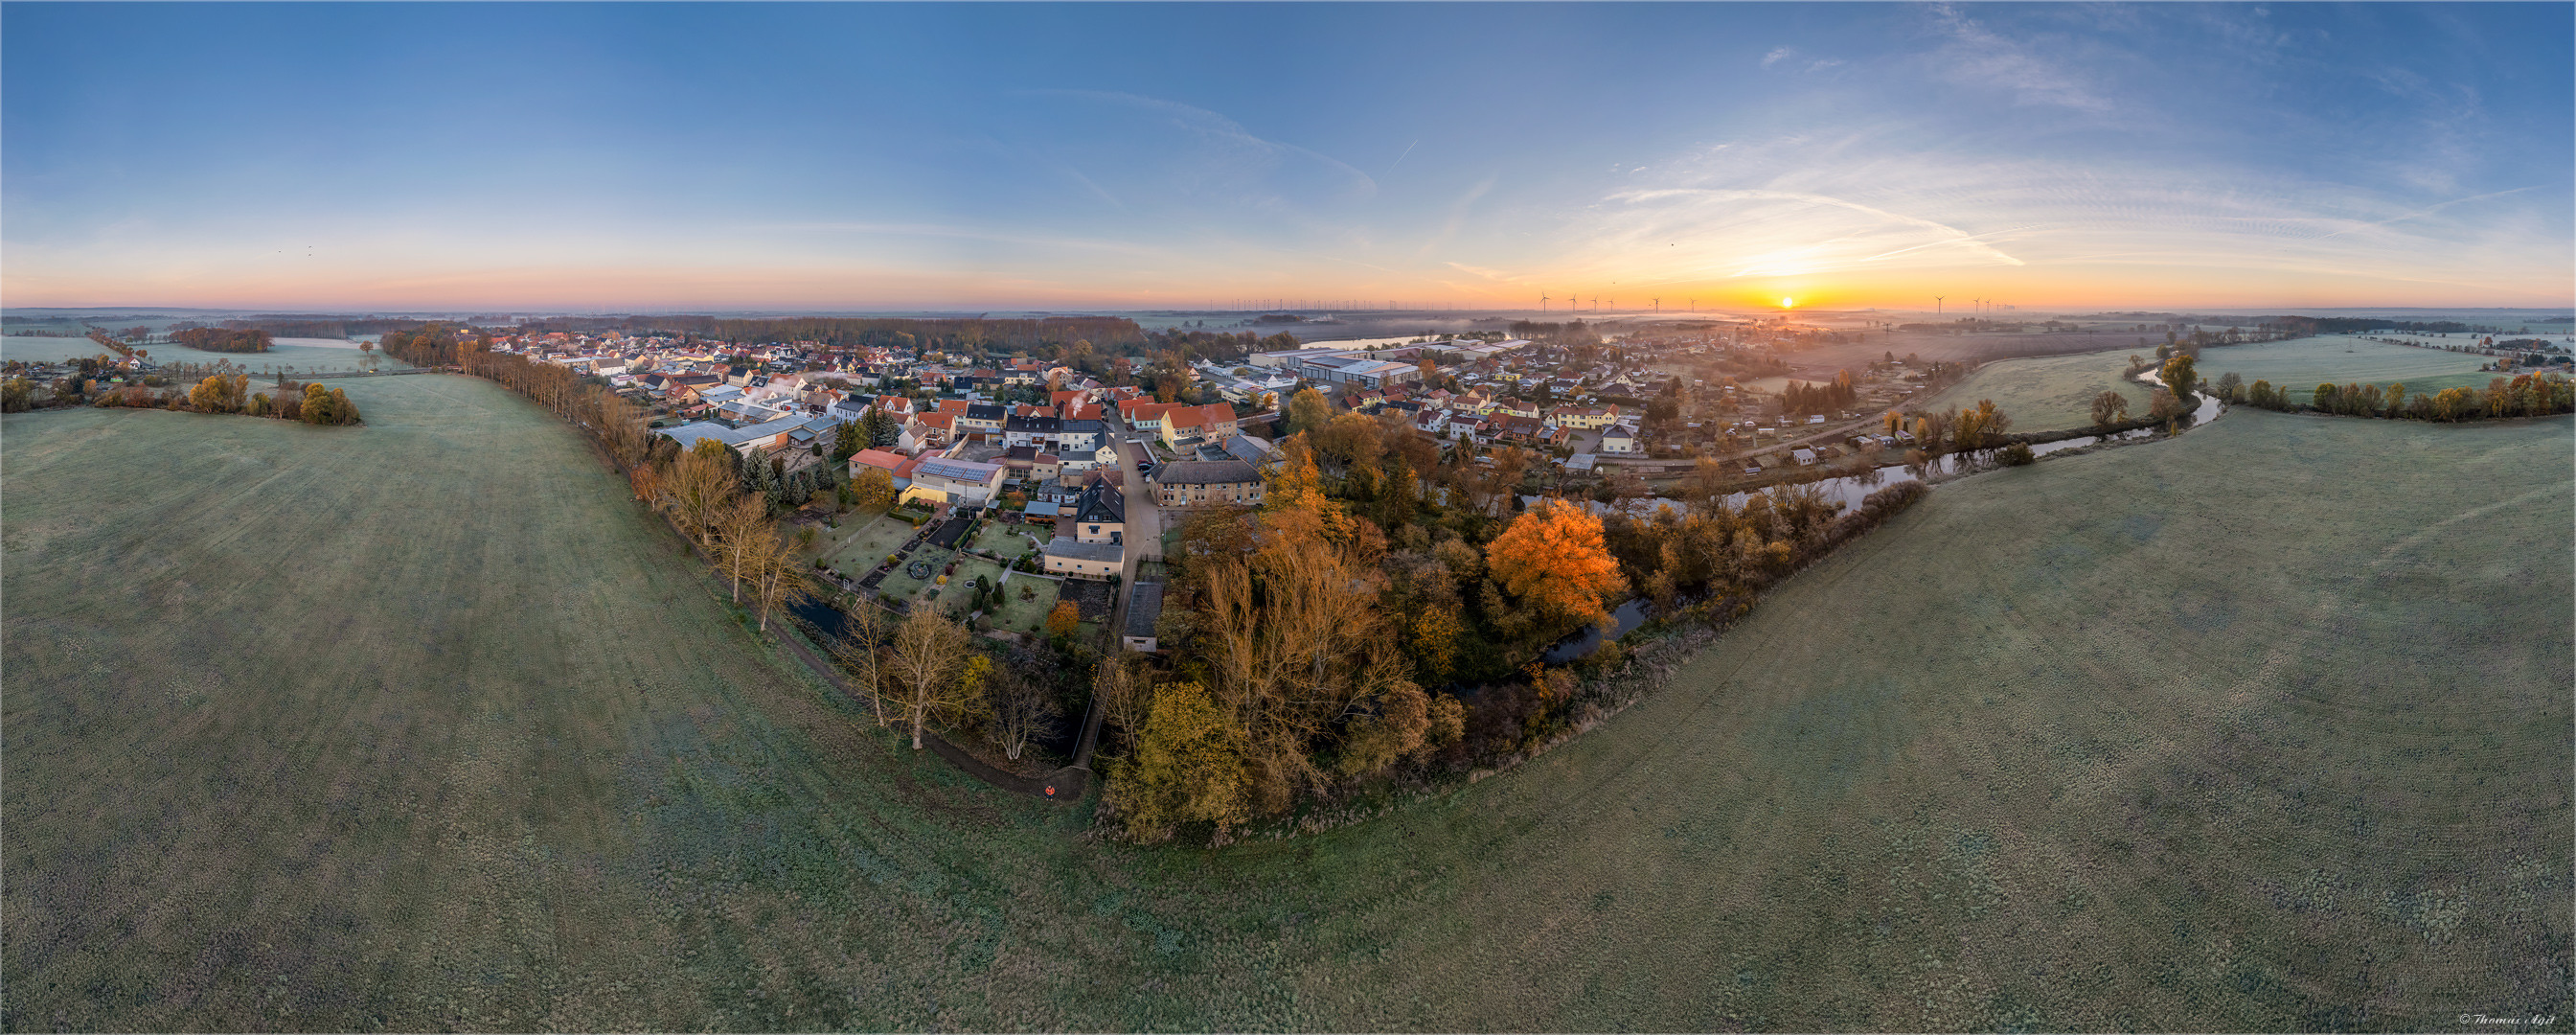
(1553, 561)
(1064, 620)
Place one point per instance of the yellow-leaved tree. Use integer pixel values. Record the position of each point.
(1189, 766)
(1554, 563)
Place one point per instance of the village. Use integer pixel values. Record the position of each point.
(1019, 483)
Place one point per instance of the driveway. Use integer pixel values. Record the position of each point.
(1144, 538)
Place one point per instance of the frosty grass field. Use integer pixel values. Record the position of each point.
(2302, 364)
(2056, 392)
(2050, 393)
(302, 355)
(422, 724)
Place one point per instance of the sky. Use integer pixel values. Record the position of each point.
(666, 157)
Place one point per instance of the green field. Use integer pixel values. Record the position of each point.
(2050, 393)
(423, 724)
(300, 358)
(2301, 364)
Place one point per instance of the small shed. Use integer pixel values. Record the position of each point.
(1144, 610)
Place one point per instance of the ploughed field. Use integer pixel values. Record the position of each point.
(423, 724)
(2052, 393)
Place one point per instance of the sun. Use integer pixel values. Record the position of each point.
(1787, 302)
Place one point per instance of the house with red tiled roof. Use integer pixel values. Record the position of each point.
(931, 430)
(1188, 426)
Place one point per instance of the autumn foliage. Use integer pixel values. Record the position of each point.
(1553, 561)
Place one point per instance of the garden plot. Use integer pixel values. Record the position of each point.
(862, 542)
(962, 585)
(1026, 614)
(1008, 541)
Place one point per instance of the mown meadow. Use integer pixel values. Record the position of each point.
(424, 724)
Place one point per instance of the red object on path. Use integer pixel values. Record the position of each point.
(1050, 790)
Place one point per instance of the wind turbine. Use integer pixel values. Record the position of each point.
(1659, 307)
(1542, 305)
(1936, 306)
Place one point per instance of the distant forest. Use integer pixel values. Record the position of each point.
(1103, 332)
(2354, 324)
(301, 326)
(217, 339)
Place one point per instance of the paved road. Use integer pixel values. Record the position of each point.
(1144, 538)
(1144, 541)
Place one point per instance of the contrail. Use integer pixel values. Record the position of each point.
(1399, 159)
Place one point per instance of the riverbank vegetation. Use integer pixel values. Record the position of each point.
(2523, 395)
(1356, 633)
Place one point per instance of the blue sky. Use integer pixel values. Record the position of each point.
(991, 156)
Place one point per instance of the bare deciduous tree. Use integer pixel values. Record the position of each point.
(929, 651)
(860, 651)
(1022, 709)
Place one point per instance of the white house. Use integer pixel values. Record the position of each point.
(945, 480)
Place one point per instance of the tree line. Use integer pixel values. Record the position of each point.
(975, 334)
(223, 339)
(310, 403)
(2523, 395)
(316, 326)
(1802, 398)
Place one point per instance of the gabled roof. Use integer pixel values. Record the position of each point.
(1144, 608)
(1205, 472)
(957, 470)
(1185, 417)
(880, 459)
(1101, 503)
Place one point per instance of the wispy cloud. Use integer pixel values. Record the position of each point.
(1457, 216)
(1975, 55)
(1848, 208)
(962, 233)
(1948, 235)
(1787, 55)
(1223, 131)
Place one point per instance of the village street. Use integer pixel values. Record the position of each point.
(1144, 537)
